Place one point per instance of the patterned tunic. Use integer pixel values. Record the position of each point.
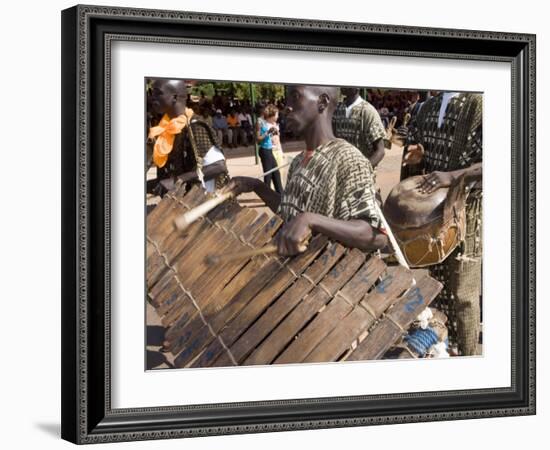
(362, 128)
(457, 144)
(197, 139)
(336, 182)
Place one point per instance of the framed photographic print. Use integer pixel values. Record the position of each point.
(283, 224)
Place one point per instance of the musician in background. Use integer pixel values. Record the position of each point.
(330, 187)
(445, 143)
(358, 122)
(184, 147)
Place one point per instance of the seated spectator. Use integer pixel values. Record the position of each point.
(235, 127)
(219, 123)
(246, 127)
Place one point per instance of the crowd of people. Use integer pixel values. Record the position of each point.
(234, 119)
(396, 103)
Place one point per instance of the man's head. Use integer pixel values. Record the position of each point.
(307, 105)
(350, 94)
(168, 97)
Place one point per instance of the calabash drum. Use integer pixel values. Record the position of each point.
(427, 227)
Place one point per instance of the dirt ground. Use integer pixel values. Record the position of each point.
(241, 162)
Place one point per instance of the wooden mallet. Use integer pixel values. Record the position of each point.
(182, 222)
(266, 250)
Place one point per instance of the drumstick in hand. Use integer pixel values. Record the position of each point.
(186, 219)
(245, 254)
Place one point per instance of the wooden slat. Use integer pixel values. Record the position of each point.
(238, 282)
(176, 245)
(403, 313)
(225, 304)
(159, 211)
(264, 295)
(170, 297)
(284, 304)
(174, 242)
(194, 264)
(197, 251)
(156, 270)
(307, 308)
(165, 225)
(344, 301)
(214, 277)
(255, 308)
(159, 293)
(360, 318)
(170, 205)
(210, 282)
(198, 338)
(228, 241)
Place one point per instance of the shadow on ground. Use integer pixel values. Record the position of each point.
(155, 335)
(155, 359)
(53, 429)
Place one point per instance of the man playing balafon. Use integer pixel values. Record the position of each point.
(330, 188)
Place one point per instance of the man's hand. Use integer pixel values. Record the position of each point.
(414, 155)
(238, 185)
(292, 238)
(434, 181)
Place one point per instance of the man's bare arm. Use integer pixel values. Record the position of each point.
(379, 152)
(248, 184)
(353, 233)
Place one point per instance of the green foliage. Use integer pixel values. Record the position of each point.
(241, 91)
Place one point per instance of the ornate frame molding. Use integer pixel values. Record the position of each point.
(87, 421)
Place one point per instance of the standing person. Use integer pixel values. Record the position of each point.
(358, 122)
(267, 128)
(184, 147)
(444, 144)
(278, 148)
(204, 113)
(330, 187)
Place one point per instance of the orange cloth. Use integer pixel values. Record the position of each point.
(233, 121)
(165, 132)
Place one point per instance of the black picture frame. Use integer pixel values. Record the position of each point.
(87, 33)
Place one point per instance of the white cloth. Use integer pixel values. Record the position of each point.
(447, 96)
(439, 350)
(424, 318)
(214, 154)
(350, 107)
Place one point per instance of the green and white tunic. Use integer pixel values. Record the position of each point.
(359, 124)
